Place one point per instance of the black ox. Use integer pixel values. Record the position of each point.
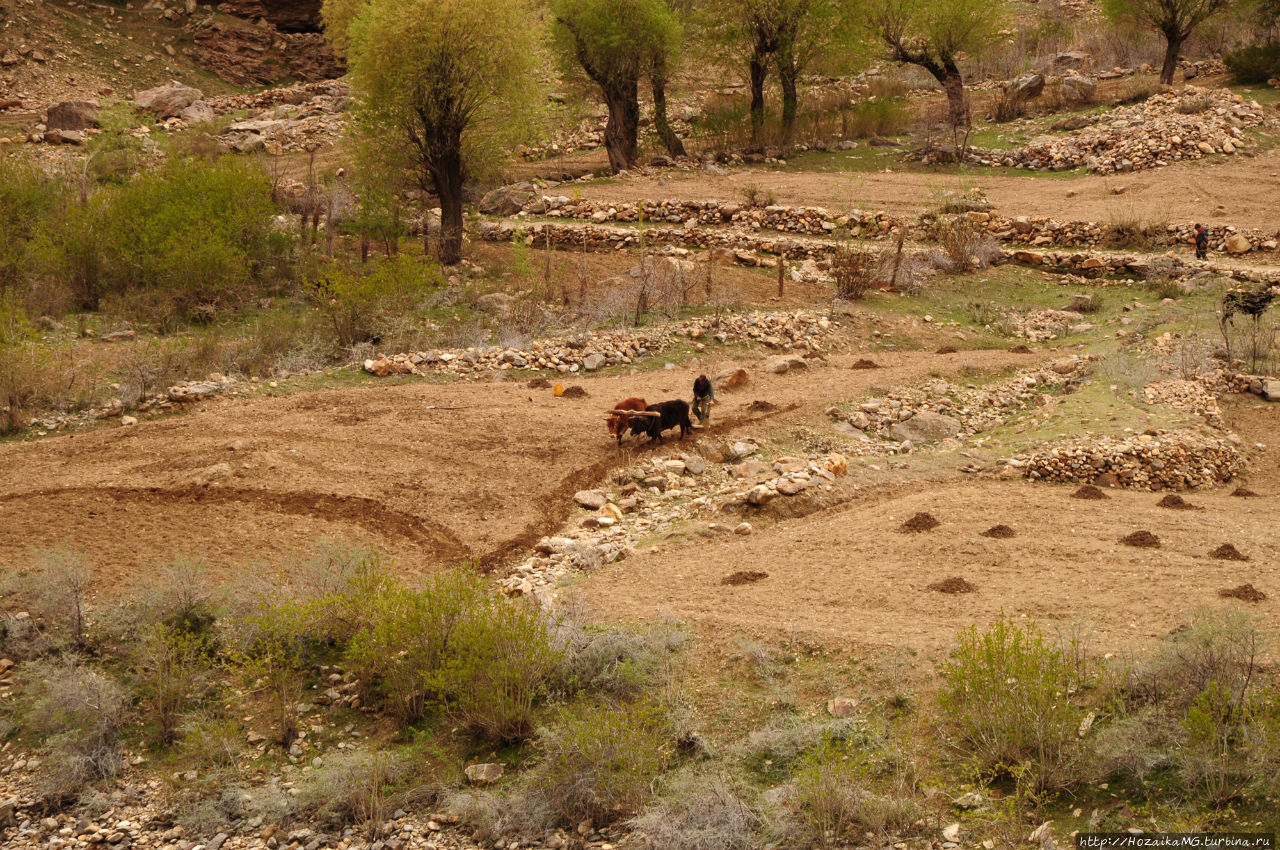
(670, 414)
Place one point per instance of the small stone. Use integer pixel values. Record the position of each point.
(592, 500)
(743, 528)
(484, 774)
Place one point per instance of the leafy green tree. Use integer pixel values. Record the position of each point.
(787, 34)
(1174, 19)
(935, 34)
(616, 43)
(443, 83)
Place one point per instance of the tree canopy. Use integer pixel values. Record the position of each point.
(444, 83)
(616, 43)
(1175, 20)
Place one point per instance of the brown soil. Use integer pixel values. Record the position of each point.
(947, 349)
(1088, 491)
(841, 583)
(865, 364)
(955, 584)
(1173, 500)
(758, 406)
(1227, 552)
(538, 384)
(920, 522)
(1141, 539)
(575, 391)
(371, 464)
(1019, 349)
(1000, 532)
(1244, 493)
(1245, 593)
(744, 577)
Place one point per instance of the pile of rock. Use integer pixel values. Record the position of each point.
(940, 410)
(1042, 325)
(1162, 461)
(692, 216)
(1260, 385)
(654, 496)
(1180, 394)
(597, 350)
(1165, 128)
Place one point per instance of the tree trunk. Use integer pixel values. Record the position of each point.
(622, 99)
(957, 101)
(1173, 47)
(670, 140)
(447, 176)
(788, 74)
(759, 68)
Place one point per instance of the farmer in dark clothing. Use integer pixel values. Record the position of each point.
(703, 397)
(1202, 242)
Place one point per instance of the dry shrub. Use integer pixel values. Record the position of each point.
(854, 271)
(53, 591)
(351, 788)
(700, 813)
(619, 663)
(835, 796)
(81, 712)
(1007, 106)
(967, 246)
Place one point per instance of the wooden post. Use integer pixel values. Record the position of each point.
(782, 273)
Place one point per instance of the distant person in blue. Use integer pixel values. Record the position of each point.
(703, 397)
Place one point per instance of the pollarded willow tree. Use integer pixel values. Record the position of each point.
(787, 35)
(442, 86)
(616, 43)
(1174, 19)
(935, 35)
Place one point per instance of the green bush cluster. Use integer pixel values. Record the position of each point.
(1255, 63)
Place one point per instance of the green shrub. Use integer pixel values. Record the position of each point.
(170, 663)
(883, 116)
(27, 199)
(1006, 700)
(409, 638)
(274, 654)
(364, 305)
(1256, 63)
(599, 761)
(21, 365)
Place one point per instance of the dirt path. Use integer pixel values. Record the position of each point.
(1245, 187)
(369, 464)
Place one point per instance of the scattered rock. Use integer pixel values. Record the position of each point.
(483, 774)
(168, 100)
(592, 500)
(842, 707)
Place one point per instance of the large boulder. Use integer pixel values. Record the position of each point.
(1078, 89)
(168, 100)
(1061, 63)
(73, 115)
(780, 364)
(731, 379)
(926, 427)
(1238, 244)
(199, 112)
(507, 200)
(1026, 87)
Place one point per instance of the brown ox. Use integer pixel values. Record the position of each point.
(620, 422)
